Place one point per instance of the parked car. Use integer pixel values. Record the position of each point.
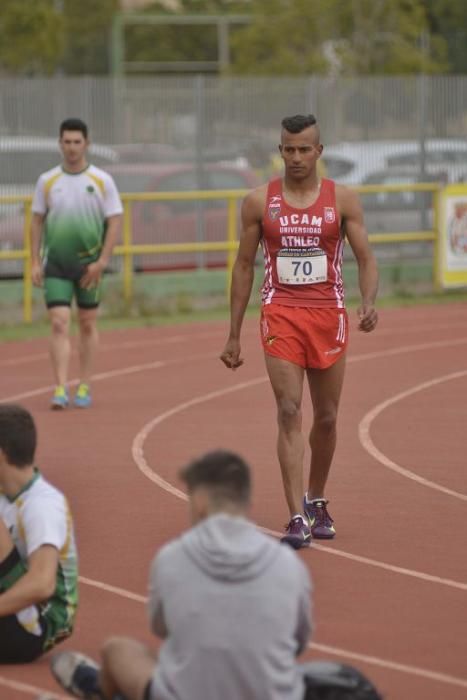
(399, 211)
(180, 221)
(22, 160)
(351, 163)
(161, 153)
(404, 199)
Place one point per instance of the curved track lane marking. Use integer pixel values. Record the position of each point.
(143, 466)
(171, 489)
(370, 447)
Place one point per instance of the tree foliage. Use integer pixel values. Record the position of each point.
(353, 37)
(284, 37)
(447, 20)
(43, 36)
(87, 27)
(31, 36)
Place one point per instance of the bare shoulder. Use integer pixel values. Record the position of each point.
(347, 199)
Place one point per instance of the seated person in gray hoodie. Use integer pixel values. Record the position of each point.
(231, 604)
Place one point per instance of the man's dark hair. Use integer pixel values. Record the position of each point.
(299, 122)
(18, 435)
(223, 473)
(74, 125)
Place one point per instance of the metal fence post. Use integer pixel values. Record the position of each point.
(127, 254)
(437, 243)
(231, 238)
(27, 266)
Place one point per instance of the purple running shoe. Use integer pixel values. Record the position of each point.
(321, 523)
(298, 533)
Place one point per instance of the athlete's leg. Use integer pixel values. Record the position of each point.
(287, 384)
(60, 346)
(88, 341)
(325, 389)
(127, 668)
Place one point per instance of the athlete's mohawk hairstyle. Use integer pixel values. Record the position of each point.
(299, 122)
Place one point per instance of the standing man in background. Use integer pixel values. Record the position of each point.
(76, 215)
(301, 221)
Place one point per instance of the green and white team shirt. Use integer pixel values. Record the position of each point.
(39, 515)
(76, 206)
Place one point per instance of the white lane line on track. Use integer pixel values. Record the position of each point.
(173, 339)
(171, 489)
(125, 345)
(30, 689)
(430, 578)
(143, 466)
(132, 369)
(151, 365)
(368, 444)
(392, 665)
(113, 589)
(336, 651)
(434, 345)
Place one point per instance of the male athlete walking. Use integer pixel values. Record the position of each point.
(301, 221)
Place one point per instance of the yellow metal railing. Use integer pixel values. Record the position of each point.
(128, 249)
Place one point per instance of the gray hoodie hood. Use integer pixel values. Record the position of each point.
(229, 548)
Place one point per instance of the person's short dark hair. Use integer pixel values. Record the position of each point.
(74, 124)
(225, 474)
(299, 122)
(18, 435)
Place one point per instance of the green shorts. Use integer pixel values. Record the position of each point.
(60, 292)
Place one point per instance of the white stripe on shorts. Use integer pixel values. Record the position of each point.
(341, 330)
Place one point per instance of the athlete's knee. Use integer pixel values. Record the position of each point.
(59, 325)
(325, 421)
(87, 326)
(113, 645)
(289, 413)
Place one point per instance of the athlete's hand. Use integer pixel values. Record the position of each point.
(368, 318)
(37, 274)
(231, 355)
(92, 275)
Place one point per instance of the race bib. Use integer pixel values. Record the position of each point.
(302, 266)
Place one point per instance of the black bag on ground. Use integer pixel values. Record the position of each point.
(327, 680)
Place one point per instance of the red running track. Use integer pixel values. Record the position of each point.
(390, 591)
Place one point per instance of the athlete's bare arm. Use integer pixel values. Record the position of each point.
(243, 272)
(36, 585)
(94, 271)
(350, 208)
(37, 223)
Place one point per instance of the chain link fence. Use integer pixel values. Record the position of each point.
(199, 132)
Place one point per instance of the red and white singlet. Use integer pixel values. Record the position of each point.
(302, 250)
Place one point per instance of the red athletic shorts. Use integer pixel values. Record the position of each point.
(308, 337)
